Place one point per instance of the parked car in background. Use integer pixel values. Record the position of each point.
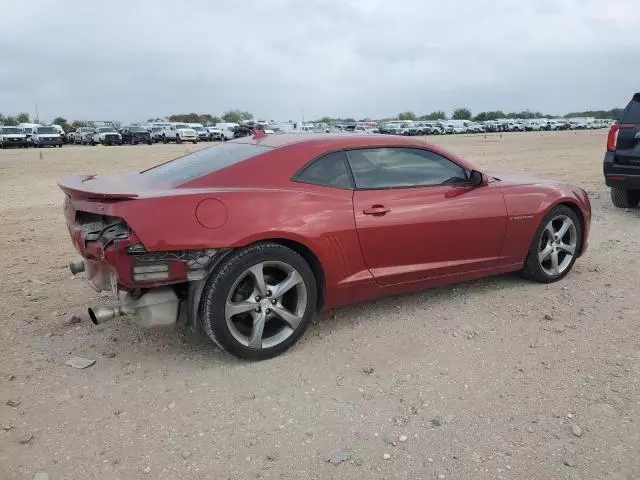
(214, 133)
(28, 130)
(46, 136)
(179, 132)
(203, 134)
(13, 137)
(106, 136)
(156, 133)
(363, 129)
(232, 256)
(622, 161)
(60, 130)
(135, 135)
(82, 135)
(226, 129)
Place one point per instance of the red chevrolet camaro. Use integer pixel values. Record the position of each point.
(249, 238)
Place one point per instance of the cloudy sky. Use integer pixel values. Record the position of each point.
(284, 59)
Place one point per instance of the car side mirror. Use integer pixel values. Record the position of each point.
(476, 178)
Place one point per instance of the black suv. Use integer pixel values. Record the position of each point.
(135, 135)
(622, 160)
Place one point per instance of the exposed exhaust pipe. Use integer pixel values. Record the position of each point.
(102, 314)
(77, 266)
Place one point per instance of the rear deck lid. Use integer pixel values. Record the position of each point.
(107, 187)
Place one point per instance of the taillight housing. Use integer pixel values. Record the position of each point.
(612, 139)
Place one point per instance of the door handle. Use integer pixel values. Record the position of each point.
(376, 210)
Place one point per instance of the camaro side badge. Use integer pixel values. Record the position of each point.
(521, 217)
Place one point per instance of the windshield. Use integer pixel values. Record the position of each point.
(202, 162)
(47, 130)
(198, 129)
(6, 130)
(136, 129)
(85, 129)
(105, 129)
(182, 125)
(156, 129)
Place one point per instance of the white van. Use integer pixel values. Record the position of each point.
(28, 130)
(227, 130)
(46, 135)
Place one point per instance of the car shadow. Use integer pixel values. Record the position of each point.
(181, 344)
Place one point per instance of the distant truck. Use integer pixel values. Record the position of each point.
(46, 136)
(82, 135)
(13, 137)
(179, 132)
(106, 136)
(203, 134)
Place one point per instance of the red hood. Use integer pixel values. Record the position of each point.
(513, 178)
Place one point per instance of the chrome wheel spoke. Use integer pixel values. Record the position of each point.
(257, 272)
(234, 308)
(291, 319)
(564, 228)
(287, 284)
(255, 340)
(570, 249)
(554, 263)
(545, 253)
(550, 232)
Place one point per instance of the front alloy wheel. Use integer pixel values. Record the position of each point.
(259, 301)
(555, 246)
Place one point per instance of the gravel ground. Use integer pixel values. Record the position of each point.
(496, 378)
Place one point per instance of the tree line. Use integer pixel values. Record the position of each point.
(237, 116)
(465, 114)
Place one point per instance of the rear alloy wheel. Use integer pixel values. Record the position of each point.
(624, 198)
(555, 246)
(259, 301)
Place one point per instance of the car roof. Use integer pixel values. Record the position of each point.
(334, 140)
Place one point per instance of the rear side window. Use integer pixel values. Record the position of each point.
(632, 112)
(329, 170)
(203, 162)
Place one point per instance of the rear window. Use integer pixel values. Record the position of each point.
(632, 112)
(203, 162)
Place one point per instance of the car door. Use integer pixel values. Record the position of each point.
(418, 217)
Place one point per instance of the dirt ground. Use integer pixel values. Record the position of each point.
(492, 379)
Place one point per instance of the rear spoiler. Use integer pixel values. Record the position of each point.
(76, 187)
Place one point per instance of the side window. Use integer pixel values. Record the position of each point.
(397, 167)
(329, 170)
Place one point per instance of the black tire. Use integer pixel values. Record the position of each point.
(178, 139)
(195, 142)
(624, 198)
(532, 269)
(214, 295)
(149, 142)
(164, 139)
